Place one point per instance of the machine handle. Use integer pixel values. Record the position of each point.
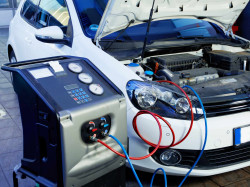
(12, 66)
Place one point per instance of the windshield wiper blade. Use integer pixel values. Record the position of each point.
(196, 37)
(118, 36)
(148, 28)
(191, 37)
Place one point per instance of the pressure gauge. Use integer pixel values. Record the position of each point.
(85, 78)
(74, 67)
(96, 89)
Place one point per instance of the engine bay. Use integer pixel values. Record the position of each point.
(189, 69)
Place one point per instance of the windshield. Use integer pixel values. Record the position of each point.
(91, 12)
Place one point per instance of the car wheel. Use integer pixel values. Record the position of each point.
(12, 58)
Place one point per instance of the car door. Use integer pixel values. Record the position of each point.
(49, 13)
(53, 13)
(22, 29)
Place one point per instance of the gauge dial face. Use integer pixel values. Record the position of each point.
(96, 89)
(85, 78)
(74, 67)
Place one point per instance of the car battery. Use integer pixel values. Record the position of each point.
(246, 60)
(63, 102)
(225, 60)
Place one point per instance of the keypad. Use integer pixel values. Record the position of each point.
(80, 96)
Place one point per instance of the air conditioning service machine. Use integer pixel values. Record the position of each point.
(65, 102)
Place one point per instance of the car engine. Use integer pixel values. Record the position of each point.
(188, 69)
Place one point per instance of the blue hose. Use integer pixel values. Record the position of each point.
(205, 141)
(129, 161)
(132, 167)
(165, 177)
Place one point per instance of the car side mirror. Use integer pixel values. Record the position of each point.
(51, 34)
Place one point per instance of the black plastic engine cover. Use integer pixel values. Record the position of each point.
(176, 62)
(226, 60)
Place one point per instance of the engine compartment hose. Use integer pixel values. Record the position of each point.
(205, 141)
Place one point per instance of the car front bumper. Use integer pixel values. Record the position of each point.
(220, 136)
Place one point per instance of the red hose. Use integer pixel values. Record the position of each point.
(156, 147)
(158, 122)
(192, 114)
(148, 142)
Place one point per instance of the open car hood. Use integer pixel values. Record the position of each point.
(119, 13)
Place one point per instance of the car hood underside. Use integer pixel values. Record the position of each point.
(120, 13)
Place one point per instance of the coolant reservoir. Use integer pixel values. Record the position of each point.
(148, 75)
(136, 68)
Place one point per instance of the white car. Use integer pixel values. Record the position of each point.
(189, 43)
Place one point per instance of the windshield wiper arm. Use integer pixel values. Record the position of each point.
(191, 37)
(148, 28)
(118, 36)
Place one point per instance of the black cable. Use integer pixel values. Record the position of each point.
(148, 28)
(131, 22)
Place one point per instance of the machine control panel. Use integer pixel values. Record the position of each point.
(95, 128)
(70, 82)
(79, 95)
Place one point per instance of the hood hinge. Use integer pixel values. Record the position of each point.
(98, 38)
(229, 32)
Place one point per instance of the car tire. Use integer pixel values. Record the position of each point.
(12, 57)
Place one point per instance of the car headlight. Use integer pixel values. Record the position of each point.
(182, 105)
(145, 97)
(162, 99)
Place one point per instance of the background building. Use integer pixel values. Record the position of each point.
(7, 11)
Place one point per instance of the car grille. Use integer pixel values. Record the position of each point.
(212, 158)
(222, 108)
(227, 156)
